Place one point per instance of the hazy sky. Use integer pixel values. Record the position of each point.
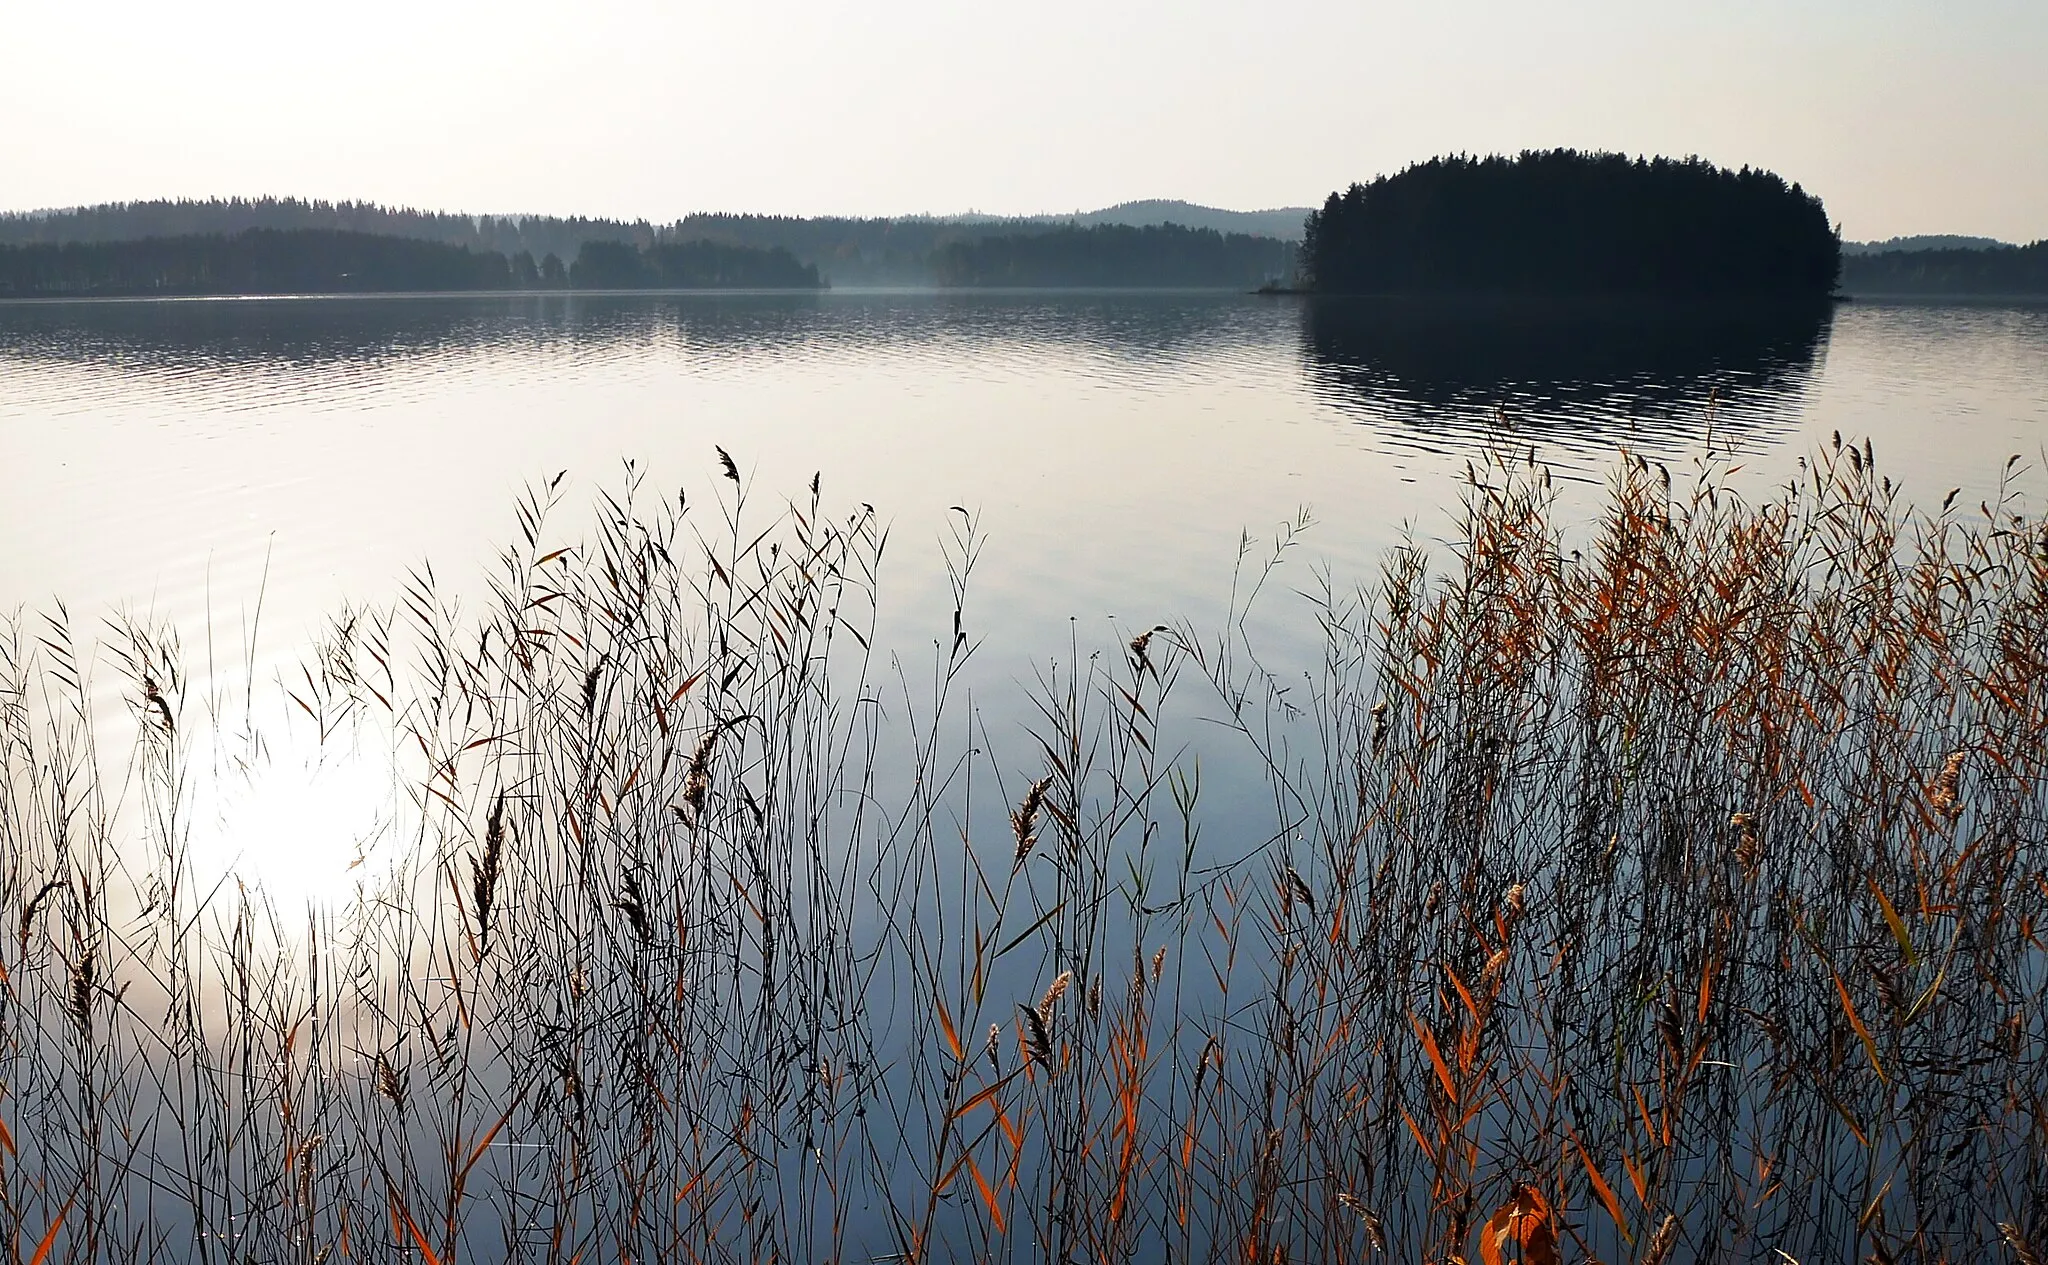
(1906, 118)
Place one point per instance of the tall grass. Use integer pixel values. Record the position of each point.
(1662, 888)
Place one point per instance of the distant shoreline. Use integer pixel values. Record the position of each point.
(631, 292)
(1549, 299)
(318, 296)
(1435, 301)
(1981, 298)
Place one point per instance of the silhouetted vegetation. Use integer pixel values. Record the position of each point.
(1564, 222)
(258, 261)
(1283, 222)
(849, 250)
(1660, 888)
(1922, 241)
(325, 261)
(858, 249)
(1115, 255)
(130, 221)
(2002, 270)
(698, 265)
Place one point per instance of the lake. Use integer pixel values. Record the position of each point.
(173, 458)
(791, 918)
(241, 470)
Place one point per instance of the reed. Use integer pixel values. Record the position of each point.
(1665, 887)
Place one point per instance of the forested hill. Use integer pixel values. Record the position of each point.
(1116, 255)
(850, 251)
(2002, 270)
(1565, 222)
(537, 235)
(326, 261)
(1284, 222)
(1922, 241)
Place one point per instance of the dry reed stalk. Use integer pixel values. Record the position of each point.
(717, 1030)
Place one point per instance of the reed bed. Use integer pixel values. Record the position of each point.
(1667, 887)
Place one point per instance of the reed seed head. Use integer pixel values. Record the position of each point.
(1941, 792)
(1512, 904)
(79, 996)
(1024, 822)
(390, 1081)
(1660, 1246)
(1037, 1037)
(1052, 995)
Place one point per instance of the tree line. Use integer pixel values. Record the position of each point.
(1115, 255)
(328, 261)
(1549, 222)
(698, 265)
(2006, 270)
(848, 250)
(1566, 222)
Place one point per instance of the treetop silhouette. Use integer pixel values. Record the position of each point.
(1569, 222)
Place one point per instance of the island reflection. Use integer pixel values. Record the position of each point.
(1431, 373)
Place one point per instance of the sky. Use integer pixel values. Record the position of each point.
(1904, 117)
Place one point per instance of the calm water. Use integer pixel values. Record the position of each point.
(159, 455)
(177, 459)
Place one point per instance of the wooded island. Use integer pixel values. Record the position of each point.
(1562, 222)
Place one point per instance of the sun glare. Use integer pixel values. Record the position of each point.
(298, 821)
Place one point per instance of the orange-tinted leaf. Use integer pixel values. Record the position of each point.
(1494, 1233)
(1608, 1199)
(412, 1228)
(50, 1235)
(1464, 994)
(1420, 1141)
(952, 1037)
(986, 1094)
(1892, 920)
(1436, 1057)
(1856, 1022)
(988, 1196)
(484, 1144)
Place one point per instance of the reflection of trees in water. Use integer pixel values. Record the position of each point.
(1589, 371)
(273, 333)
(324, 332)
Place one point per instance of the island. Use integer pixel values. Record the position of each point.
(1567, 222)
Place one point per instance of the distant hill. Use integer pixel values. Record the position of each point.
(331, 261)
(133, 221)
(844, 250)
(2000, 270)
(1281, 222)
(1129, 255)
(1925, 241)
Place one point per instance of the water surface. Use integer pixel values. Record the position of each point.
(167, 456)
